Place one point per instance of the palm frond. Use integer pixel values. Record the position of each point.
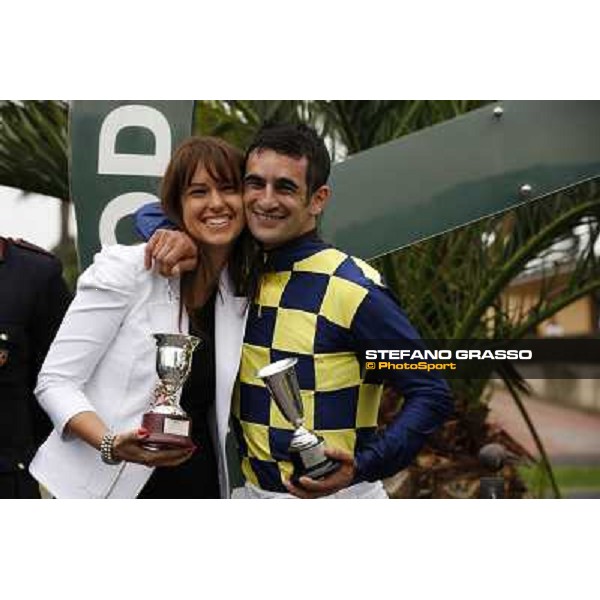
(33, 147)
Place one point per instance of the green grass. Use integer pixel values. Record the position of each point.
(568, 478)
(577, 477)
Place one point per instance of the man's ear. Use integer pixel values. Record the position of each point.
(319, 200)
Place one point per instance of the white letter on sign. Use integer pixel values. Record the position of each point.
(134, 115)
(116, 209)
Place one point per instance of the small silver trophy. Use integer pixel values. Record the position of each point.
(307, 450)
(167, 422)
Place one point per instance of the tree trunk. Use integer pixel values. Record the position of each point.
(64, 223)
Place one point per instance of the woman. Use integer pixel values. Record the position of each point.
(98, 378)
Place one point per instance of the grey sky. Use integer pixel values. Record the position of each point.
(34, 218)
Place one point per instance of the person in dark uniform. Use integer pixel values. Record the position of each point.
(33, 301)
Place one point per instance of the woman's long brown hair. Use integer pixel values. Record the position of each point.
(225, 164)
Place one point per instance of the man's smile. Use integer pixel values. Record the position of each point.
(264, 216)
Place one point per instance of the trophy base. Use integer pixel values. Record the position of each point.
(312, 462)
(316, 473)
(166, 431)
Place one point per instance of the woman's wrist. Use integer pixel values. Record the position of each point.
(107, 447)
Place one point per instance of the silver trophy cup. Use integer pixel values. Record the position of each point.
(168, 424)
(307, 450)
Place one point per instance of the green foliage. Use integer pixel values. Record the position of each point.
(348, 125)
(33, 147)
(34, 158)
(574, 477)
(569, 478)
(452, 285)
(237, 121)
(360, 124)
(67, 253)
(535, 477)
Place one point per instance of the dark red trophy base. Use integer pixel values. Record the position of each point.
(158, 440)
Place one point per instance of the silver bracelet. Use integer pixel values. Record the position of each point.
(106, 449)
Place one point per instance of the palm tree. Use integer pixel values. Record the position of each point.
(237, 121)
(452, 287)
(349, 126)
(33, 147)
(360, 125)
(33, 158)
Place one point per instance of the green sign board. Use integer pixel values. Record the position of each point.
(119, 152)
(484, 162)
(437, 179)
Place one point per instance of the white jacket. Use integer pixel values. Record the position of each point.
(103, 360)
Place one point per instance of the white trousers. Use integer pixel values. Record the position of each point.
(361, 491)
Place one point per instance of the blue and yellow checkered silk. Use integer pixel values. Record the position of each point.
(312, 304)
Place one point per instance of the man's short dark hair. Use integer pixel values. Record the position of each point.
(296, 141)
